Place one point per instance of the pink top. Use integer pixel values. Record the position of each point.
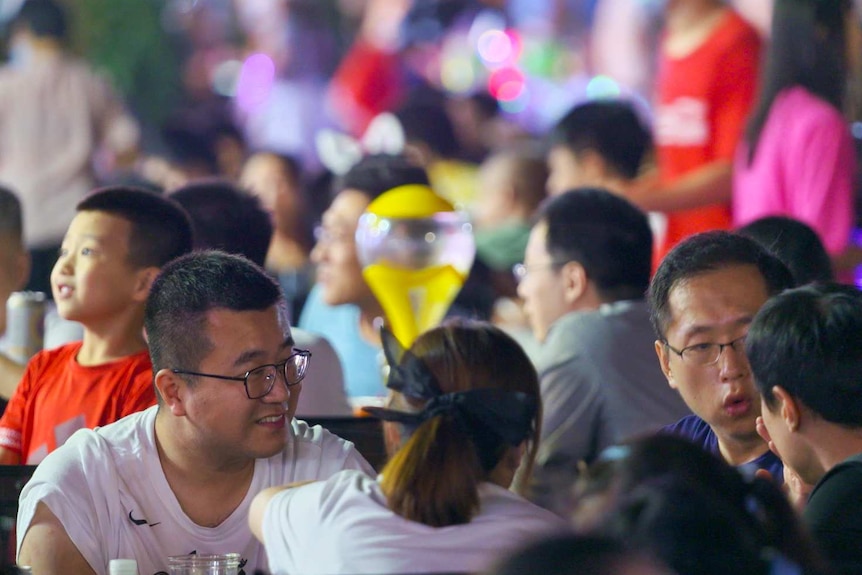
(804, 168)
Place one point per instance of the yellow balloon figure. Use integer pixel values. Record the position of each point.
(416, 252)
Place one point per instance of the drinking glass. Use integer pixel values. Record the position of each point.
(224, 564)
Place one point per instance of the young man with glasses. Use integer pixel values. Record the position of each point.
(585, 272)
(178, 478)
(703, 298)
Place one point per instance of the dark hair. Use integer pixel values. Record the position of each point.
(161, 228)
(189, 287)
(707, 252)
(807, 49)
(190, 142)
(379, 173)
(428, 123)
(606, 234)
(696, 512)
(571, 554)
(809, 341)
(11, 226)
(43, 18)
(435, 476)
(226, 218)
(795, 244)
(610, 128)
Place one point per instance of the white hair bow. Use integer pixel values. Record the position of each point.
(339, 152)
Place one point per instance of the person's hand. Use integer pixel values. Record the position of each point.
(795, 488)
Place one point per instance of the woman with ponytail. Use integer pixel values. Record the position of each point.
(463, 417)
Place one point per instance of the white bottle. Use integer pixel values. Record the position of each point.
(123, 567)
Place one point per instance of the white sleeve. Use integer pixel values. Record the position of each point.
(291, 522)
(81, 505)
(322, 454)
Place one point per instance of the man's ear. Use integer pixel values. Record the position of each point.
(661, 352)
(171, 388)
(574, 281)
(391, 437)
(144, 281)
(788, 408)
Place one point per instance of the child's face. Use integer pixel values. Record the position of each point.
(92, 280)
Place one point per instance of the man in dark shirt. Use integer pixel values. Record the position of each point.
(703, 298)
(805, 349)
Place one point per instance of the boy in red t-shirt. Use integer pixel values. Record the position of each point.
(112, 252)
(707, 79)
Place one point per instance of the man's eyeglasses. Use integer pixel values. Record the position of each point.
(520, 271)
(706, 353)
(260, 380)
(325, 235)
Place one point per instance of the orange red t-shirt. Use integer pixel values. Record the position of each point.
(57, 396)
(702, 104)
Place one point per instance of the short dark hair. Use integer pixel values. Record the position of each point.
(707, 252)
(378, 173)
(426, 121)
(226, 218)
(572, 554)
(795, 244)
(809, 341)
(189, 287)
(43, 18)
(11, 226)
(161, 228)
(605, 233)
(610, 128)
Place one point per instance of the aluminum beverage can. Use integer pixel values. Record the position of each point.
(25, 324)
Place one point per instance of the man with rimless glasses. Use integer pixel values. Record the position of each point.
(179, 477)
(703, 298)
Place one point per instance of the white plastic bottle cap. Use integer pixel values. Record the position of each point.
(123, 567)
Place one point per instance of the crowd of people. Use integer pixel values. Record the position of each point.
(653, 365)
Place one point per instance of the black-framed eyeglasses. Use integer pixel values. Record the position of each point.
(260, 380)
(706, 353)
(520, 271)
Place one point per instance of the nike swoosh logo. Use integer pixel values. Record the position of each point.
(141, 521)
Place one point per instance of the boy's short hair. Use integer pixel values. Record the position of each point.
(809, 341)
(161, 228)
(609, 236)
(190, 286)
(43, 18)
(378, 173)
(226, 218)
(610, 128)
(707, 252)
(11, 220)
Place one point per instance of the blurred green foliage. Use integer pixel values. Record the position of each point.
(125, 40)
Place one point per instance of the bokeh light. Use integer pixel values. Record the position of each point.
(255, 81)
(506, 84)
(602, 87)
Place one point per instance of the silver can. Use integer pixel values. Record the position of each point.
(25, 324)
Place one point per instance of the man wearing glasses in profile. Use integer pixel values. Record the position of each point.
(703, 298)
(178, 478)
(586, 269)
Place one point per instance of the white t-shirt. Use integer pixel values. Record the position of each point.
(343, 526)
(107, 488)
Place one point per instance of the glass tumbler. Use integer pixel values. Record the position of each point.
(224, 564)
